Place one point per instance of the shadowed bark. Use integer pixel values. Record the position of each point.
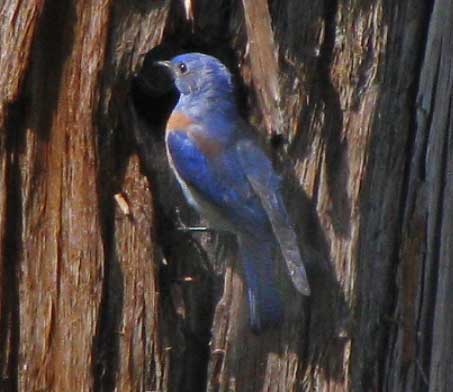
(100, 290)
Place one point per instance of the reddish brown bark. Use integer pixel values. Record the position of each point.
(61, 255)
(99, 290)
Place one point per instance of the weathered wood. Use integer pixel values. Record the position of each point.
(263, 62)
(20, 20)
(99, 290)
(61, 250)
(133, 289)
(130, 348)
(421, 354)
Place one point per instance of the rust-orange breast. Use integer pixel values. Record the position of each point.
(178, 120)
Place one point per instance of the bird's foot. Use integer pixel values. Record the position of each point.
(181, 226)
(193, 229)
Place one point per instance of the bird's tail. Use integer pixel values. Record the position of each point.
(265, 303)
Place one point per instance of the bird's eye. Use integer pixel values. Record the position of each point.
(182, 68)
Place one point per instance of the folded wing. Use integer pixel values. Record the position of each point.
(266, 184)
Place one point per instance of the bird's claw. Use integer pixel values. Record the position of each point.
(192, 229)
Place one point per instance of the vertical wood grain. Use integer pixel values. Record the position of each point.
(62, 254)
(97, 293)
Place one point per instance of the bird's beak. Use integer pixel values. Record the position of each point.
(167, 65)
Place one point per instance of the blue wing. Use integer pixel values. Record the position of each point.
(216, 174)
(266, 184)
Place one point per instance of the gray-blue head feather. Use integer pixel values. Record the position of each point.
(197, 73)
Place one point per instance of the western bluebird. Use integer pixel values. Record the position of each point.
(229, 180)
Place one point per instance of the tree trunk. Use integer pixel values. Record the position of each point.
(100, 289)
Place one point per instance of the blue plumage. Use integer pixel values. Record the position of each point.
(229, 180)
(220, 179)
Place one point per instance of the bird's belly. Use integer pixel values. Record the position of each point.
(213, 215)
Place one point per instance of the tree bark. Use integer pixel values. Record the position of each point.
(100, 290)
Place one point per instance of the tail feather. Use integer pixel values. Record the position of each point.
(265, 303)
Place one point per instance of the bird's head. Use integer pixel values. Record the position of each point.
(197, 74)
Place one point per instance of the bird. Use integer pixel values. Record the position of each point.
(229, 180)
